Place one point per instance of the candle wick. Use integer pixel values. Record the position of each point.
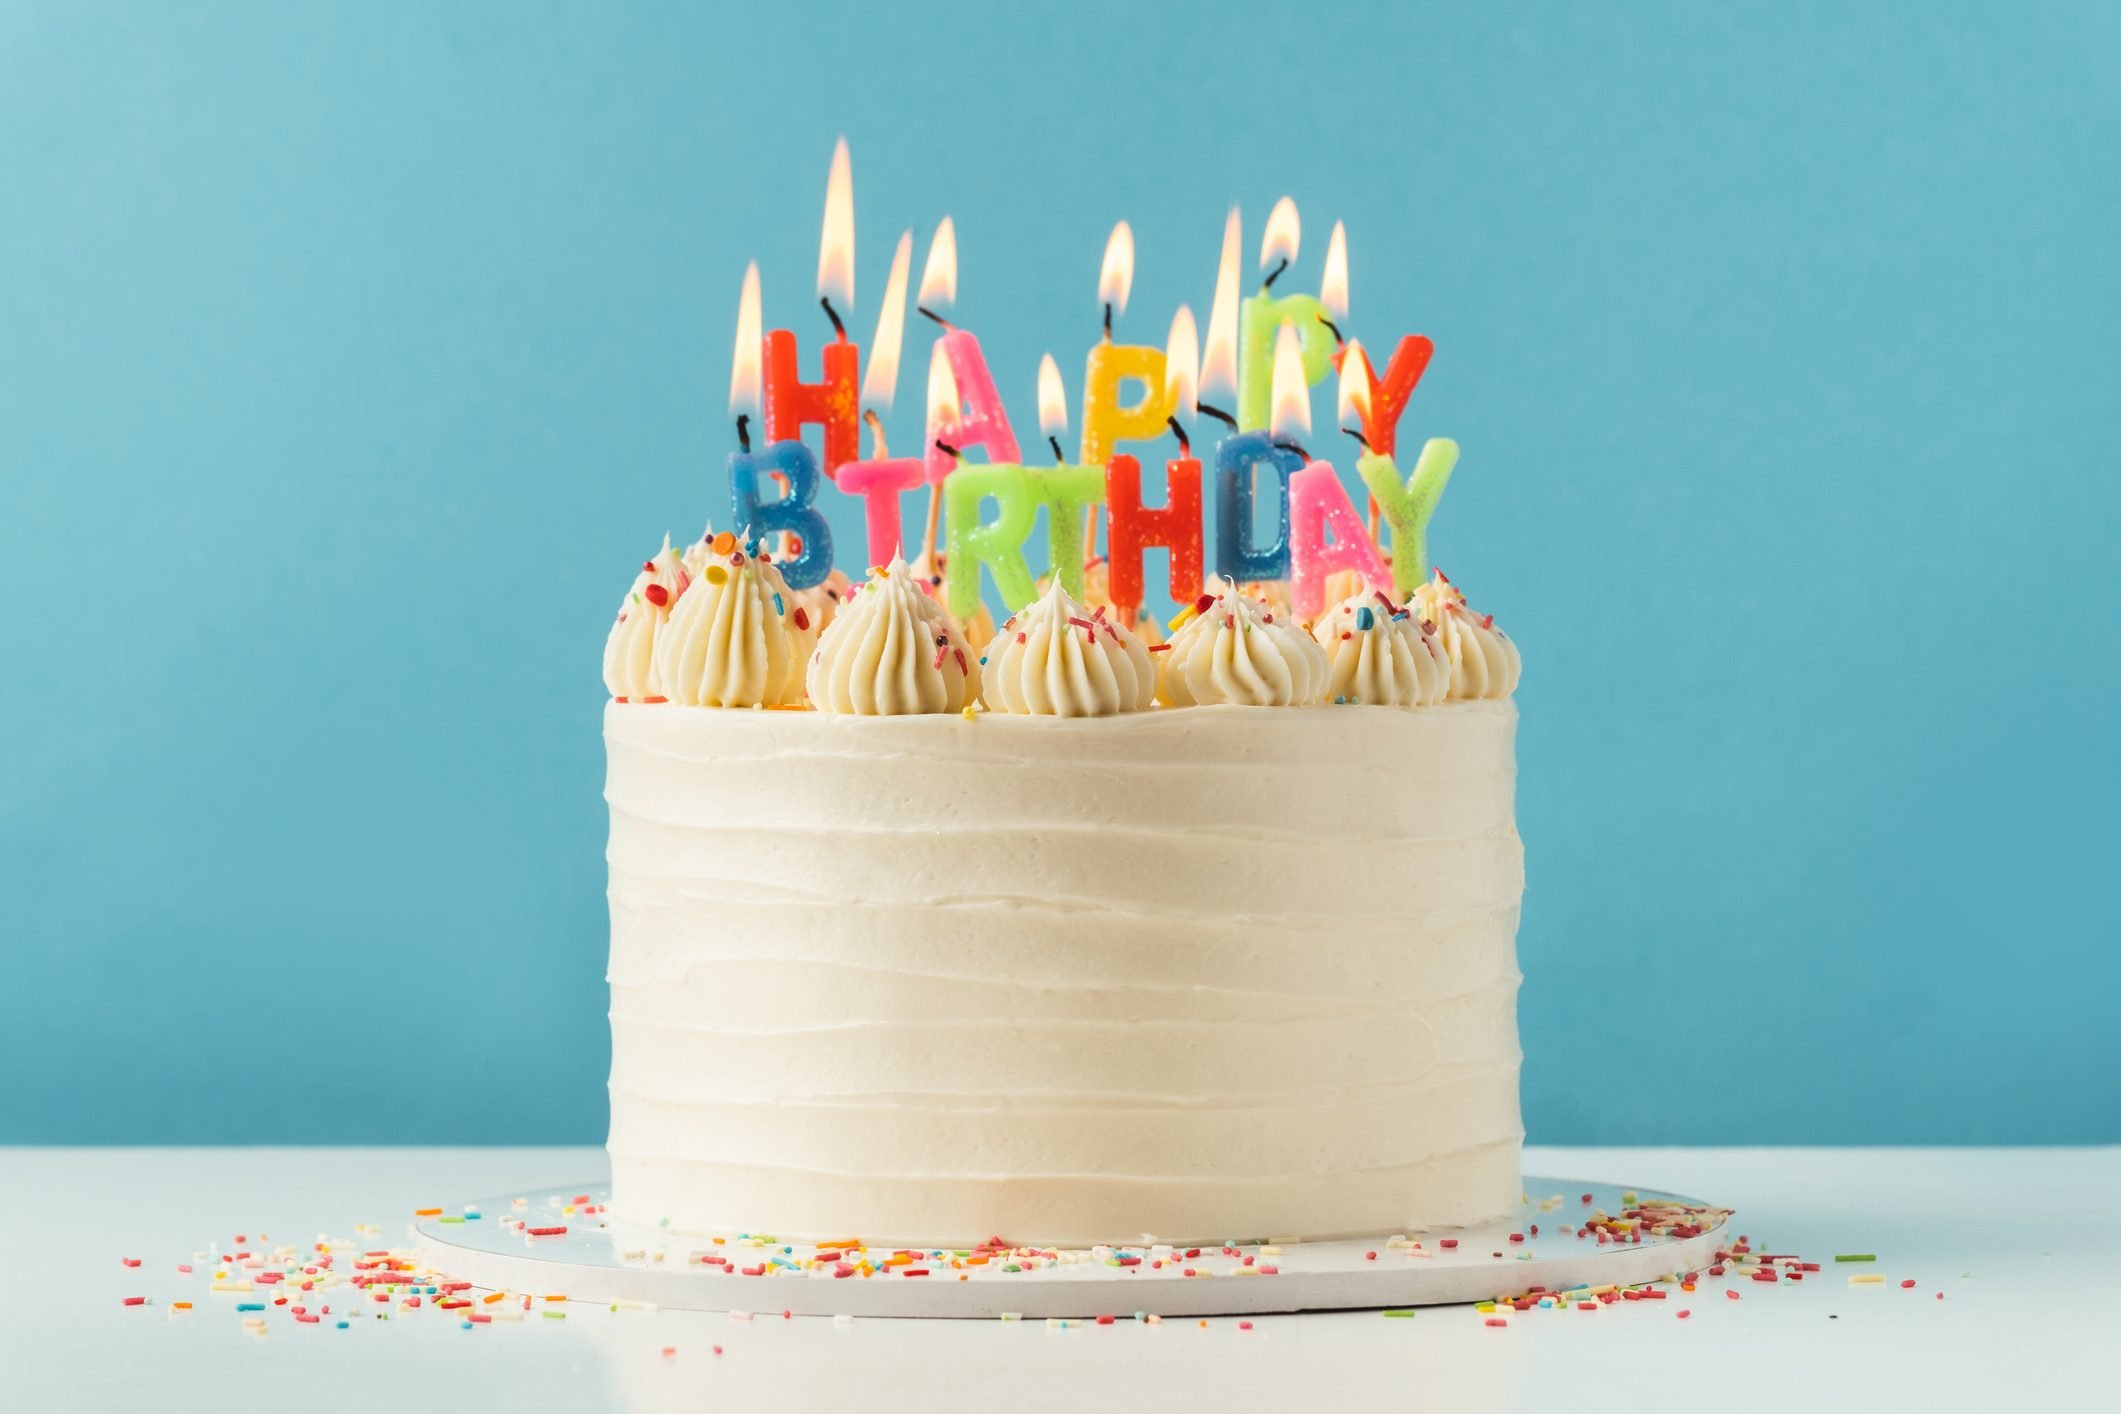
(743, 430)
(833, 315)
(1356, 433)
(1296, 447)
(923, 309)
(1058, 455)
(1276, 275)
(1108, 319)
(1210, 410)
(876, 431)
(1185, 446)
(1334, 327)
(947, 450)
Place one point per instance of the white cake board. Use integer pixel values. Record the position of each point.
(596, 1262)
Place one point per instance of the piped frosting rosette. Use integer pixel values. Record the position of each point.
(1379, 654)
(891, 652)
(727, 644)
(1484, 663)
(629, 652)
(975, 628)
(1059, 659)
(1236, 650)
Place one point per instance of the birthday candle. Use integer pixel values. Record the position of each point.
(1110, 367)
(1408, 505)
(997, 544)
(977, 418)
(833, 402)
(1132, 526)
(880, 480)
(1264, 315)
(1066, 491)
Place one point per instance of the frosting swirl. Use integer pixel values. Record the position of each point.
(811, 611)
(1484, 663)
(726, 644)
(1380, 655)
(892, 652)
(629, 651)
(1055, 660)
(1236, 650)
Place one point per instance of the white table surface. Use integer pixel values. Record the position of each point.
(2021, 1242)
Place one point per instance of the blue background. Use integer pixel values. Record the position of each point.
(351, 356)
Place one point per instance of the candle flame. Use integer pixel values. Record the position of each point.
(880, 382)
(835, 252)
(939, 276)
(1218, 365)
(942, 388)
(1284, 234)
(1292, 396)
(1116, 280)
(1354, 405)
(744, 380)
(1333, 288)
(1182, 364)
(1052, 398)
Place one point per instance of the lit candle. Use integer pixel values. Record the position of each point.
(974, 415)
(792, 512)
(1243, 455)
(997, 544)
(1264, 315)
(1132, 527)
(1408, 505)
(880, 480)
(1386, 397)
(833, 403)
(1066, 491)
(1111, 367)
(1325, 534)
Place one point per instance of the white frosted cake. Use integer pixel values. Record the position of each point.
(1067, 941)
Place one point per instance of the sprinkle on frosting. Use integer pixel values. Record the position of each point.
(892, 651)
(726, 644)
(1379, 654)
(1484, 663)
(811, 611)
(629, 652)
(1059, 659)
(1231, 649)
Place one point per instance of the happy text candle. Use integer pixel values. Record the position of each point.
(881, 479)
(1111, 368)
(1264, 315)
(832, 403)
(977, 418)
(1409, 505)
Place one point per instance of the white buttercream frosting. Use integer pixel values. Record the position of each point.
(629, 650)
(1381, 655)
(1059, 659)
(726, 644)
(1236, 650)
(892, 651)
(1484, 662)
(1205, 973)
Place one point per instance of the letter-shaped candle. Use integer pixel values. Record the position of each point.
(980, 421)
(1133, 528)
(1388, 395)
(833, 403)
(997, 544)
(793, 512)
(1409, 505)
(1237, 461)
(879, 483)
(1106, 421)
(1261, 319)
(1066, 492)
(1319, 505)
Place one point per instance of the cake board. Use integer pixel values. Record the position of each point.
(1536, 1247)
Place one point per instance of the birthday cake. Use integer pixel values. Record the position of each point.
(930, 930)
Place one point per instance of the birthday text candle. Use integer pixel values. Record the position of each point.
(832, 403)
(1408, 505)
(1132, 527)
(1239, 462)
(1111, 368)
(1067, 491)
(880, 480)
(791, 462)
(997, 544)
(1264, 315)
